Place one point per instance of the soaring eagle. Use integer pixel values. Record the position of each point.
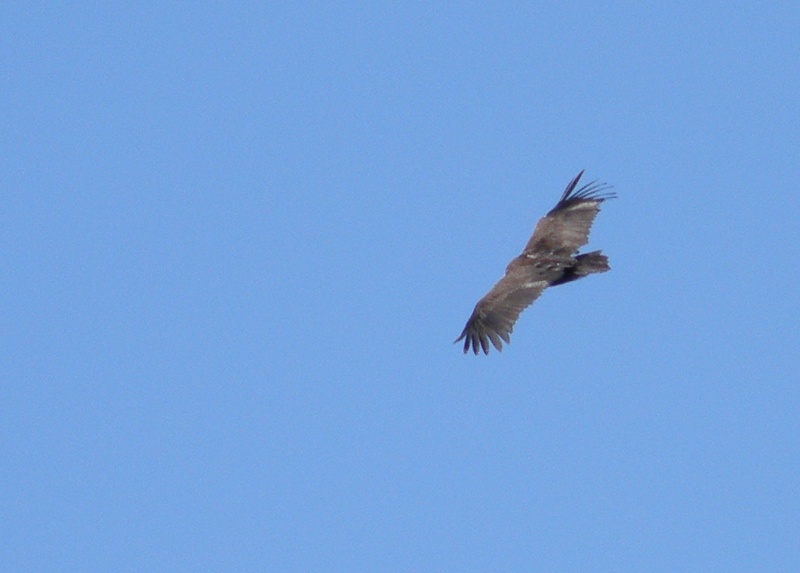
(550, 258)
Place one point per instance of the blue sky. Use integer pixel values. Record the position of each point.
(237, 242)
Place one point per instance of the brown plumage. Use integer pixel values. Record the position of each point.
(550, 258)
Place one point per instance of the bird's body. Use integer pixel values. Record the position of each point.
(550, 258)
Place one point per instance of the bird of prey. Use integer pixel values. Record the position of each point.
(550, 258)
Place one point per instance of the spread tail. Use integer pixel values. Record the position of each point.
(585, 264)
(594, 262)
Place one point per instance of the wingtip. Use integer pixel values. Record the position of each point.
(572, 184)
(593, 191)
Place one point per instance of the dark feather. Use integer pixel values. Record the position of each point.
(592, 191)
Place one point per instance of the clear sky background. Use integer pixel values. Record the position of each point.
(238, 241)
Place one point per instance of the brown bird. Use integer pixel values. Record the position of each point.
(550, 258)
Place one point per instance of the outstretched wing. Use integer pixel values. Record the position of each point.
(566, 227)
(495, 314)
